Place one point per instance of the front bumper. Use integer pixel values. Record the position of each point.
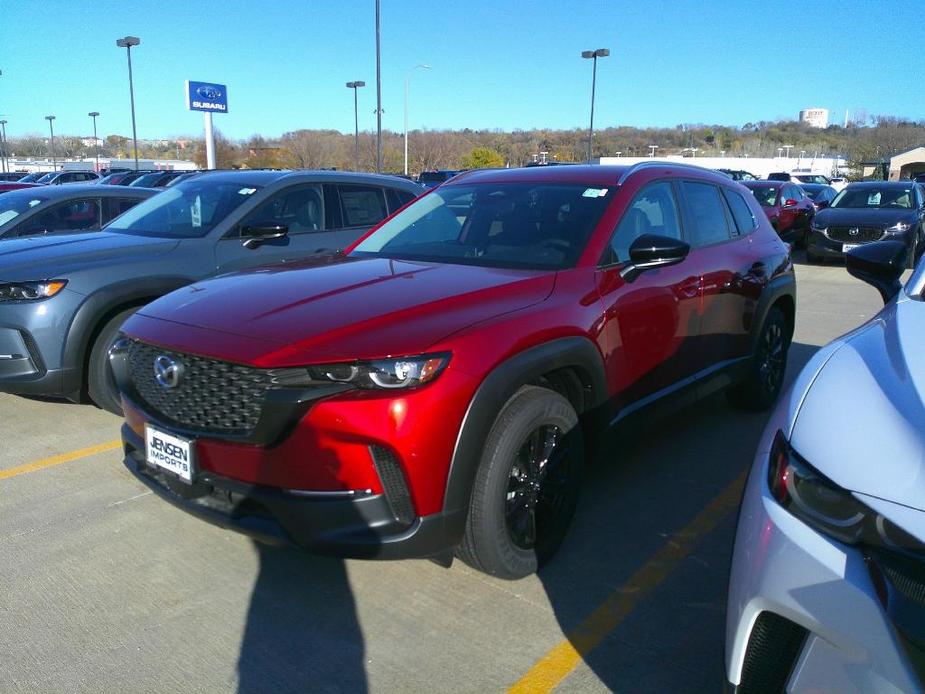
(354, 524)
(822, 246)
(784, 567)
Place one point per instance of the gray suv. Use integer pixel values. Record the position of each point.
(64, 298)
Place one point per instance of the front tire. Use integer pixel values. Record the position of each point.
(101, 386)
(527, 485)
(767, 366)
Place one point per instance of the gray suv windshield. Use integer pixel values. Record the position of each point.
(188, 210)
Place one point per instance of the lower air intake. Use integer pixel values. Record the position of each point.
(394, 485)
(773, 648)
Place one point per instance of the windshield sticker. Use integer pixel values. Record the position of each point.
(33, 203)
(594, 193)
(247, 191)
(196, 212)
(874, 198)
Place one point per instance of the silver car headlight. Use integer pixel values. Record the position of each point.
(820, 503)
(381, 374)
(30, 291)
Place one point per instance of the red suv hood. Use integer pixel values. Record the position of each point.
(354, 309)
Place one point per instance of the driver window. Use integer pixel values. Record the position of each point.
(301, 209)
(654, 210)
(78, 215)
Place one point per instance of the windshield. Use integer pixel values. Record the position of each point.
(32, 178)
(515, 225)
(874, 197)
(766, 195)
(146, 179)
(188, 210)
(47, 177)
(14, 203)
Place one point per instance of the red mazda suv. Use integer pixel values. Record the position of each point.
(429, 390)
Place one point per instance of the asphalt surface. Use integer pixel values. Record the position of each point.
(105, 588)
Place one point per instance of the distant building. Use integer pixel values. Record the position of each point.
(815, 117)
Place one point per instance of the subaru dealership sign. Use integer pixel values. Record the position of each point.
(206, 96)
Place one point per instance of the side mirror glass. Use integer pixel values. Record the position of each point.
(880, 264)
(651, 251)
(259, 232)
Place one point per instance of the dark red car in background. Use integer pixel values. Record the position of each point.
(430, 389)
(787, 207)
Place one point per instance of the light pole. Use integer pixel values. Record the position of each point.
(652, 149)
(127, 44)
(96, 141)
(6, 155)
(356, 122)
(407, 85)
(593, 55)
(788, 148)
(51, 128)
(378, 95)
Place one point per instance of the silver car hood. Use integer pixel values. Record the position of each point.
(862, 422)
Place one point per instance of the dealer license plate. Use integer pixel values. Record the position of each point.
(848, 246)
(169, 452)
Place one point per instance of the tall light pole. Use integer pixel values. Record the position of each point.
(407, 86)
(788, 148)
(593, 55)
(6, 154)
(378, 95)
(51, 128)
(127, 44)
(96, 140)
(652, 149)
(356, 122)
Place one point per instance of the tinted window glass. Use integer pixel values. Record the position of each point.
(709, 217)
(765, 195)
(119, 205)
(362, 206)
(873, 197)
(516, 225)
(189, 209)
(78, 215)
(741, 212)
(653, 211)
(397, 198)
(301, 209)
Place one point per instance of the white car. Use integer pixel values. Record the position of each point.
(827, 590)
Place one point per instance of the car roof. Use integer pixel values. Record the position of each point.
(764, 183)
(266, 177)
(814, 186)
(584, 174)
(880, 184)
(75, 190)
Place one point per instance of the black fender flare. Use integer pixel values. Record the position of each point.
(780, 286)
(104, 303)
(497, 388)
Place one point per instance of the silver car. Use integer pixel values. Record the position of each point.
(827, 592)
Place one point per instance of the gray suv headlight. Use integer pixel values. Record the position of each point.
(823, 505)
(30, 291)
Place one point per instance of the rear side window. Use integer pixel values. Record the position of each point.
(362, 206)
(397, 198)
(119, 205)
(741, 213)
(653, 211)
(708, 212)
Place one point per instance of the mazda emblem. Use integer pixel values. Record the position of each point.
(854, 231)
(168, 372)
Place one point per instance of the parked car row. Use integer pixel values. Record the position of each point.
(145, 178)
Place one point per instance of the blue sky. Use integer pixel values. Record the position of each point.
(495, 63)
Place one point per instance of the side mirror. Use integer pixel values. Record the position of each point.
(259, 232)
(651, 251)
(879, 264)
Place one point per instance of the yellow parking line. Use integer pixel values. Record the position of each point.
(558, 663)
(59, 459)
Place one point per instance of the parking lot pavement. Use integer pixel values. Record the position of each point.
(104, 588)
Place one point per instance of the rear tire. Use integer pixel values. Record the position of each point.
(767, 366)
(527, 485)
(101, 386)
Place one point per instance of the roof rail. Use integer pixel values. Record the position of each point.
(656, 163)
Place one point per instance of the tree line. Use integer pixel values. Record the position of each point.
(874, 138)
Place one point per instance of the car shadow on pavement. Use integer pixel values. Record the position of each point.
(646, 483)
(302, 633)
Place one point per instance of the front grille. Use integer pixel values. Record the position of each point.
(773, 648)
(862, 235)
(212, 396)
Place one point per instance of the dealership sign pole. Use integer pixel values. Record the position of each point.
(208, 98)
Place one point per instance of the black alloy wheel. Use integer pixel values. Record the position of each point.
(772, 358)
(768, 365)
(537, 501)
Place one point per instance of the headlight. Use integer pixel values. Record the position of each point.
(30, 291)
(823, 505)
(406, 372)
(816, 226)
(898, 228)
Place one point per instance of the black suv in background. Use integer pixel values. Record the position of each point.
(867, 212)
